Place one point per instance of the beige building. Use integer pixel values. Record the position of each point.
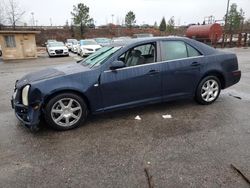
(18, 44)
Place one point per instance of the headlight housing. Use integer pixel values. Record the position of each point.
(25, 93)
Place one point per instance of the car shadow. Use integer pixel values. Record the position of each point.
(130, 113)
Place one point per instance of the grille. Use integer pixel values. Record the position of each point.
(59, 51)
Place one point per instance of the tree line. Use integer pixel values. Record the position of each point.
(233, 21)
(12, 14)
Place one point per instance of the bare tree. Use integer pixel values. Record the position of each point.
(14, 13)
(2, 15)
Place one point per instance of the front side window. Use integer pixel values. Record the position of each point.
(10, 41)
(139, 55)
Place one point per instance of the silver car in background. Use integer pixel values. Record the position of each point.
(69, 43)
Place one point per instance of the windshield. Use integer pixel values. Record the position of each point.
(71, 41)
(51, 41)
(54, 44)
(102, 40)
(99, 57)
(87, 42)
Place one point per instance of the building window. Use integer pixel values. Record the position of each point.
(10, 41)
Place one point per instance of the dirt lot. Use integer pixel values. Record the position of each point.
(193, 149)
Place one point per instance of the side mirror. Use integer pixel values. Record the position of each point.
(79, 61)
(116, 65)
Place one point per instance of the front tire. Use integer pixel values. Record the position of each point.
(208, 90)
(65, 111)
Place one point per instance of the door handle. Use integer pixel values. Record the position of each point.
(195, 64)
(153, 72)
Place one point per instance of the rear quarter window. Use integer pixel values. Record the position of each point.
(192, 52)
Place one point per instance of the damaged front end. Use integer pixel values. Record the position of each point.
(26, 111)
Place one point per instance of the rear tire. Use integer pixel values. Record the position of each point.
(65, 111)
(208, 90)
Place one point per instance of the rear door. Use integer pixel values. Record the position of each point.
(181, 70)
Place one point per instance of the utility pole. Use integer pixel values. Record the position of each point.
(225, 26)
(33, 19)
(228, 2)
(112, 15)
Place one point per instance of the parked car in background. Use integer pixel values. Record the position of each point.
(1, 53)
(103, 41)
(87, 47)
(74, 48)
(120, 39)
(142, 35)
(69, 43)
(138, 72)
(48, 42)
(57, 49)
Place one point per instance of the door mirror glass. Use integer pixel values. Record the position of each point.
(116, 65)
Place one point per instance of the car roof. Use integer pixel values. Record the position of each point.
(142, 40)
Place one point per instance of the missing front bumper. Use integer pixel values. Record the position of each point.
(29, 116)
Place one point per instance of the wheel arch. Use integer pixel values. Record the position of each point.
(218, 74)
(55, 93)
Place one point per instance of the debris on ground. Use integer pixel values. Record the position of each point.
(138, 117)
(149, 178)
(239, 172)
(167, 116)
(237, 97)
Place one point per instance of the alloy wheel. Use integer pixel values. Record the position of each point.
(210, 90)
(66, 112)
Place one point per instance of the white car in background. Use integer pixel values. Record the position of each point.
(69, 43)
(48, 42)
(74, 48)
(87, 47)
(57, 49)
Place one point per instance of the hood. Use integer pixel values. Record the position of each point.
(58, 48)
(49, 73)
(91, 46)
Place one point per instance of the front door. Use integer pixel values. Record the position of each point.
(137, 83)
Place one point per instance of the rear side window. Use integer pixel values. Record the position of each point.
(177, 50)
(174, 50)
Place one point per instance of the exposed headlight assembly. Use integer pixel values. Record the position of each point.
(25, 93)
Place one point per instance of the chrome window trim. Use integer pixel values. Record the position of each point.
(155, 63)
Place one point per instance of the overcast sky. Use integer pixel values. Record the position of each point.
(147, 11)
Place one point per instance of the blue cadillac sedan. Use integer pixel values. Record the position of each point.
(122, 75)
